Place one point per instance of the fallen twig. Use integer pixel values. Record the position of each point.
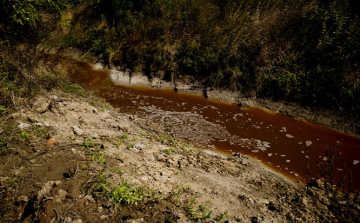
(39, 153)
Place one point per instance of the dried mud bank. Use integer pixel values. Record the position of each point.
(335, 118)
(75, 162)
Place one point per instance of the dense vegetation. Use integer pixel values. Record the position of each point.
(303, 51)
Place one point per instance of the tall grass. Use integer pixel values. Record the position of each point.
(304, 51)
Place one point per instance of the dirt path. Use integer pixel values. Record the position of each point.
(73, 162)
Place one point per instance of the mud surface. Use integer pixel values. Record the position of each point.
(75, 156)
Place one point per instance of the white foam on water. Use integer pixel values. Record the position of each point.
(282, 155)
(290, 136)
(325, 158)
(283, 129)
(356, 162)
(300, 143)
(340, 169)
(256, 127)
(296, 174)
(307, 157)
(255, 150)
(288, 161)
(302, 152)
(308, 143)
(269, 154)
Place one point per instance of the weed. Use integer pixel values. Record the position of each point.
(343, 201)
(100, 104)
(197, 212)
(41, 131)
(25, 135)
(2, 110)
(12, 182)
(88, 143)
(183, 144)
(222, 217)
(118, 144)
(169, 139)
(124, 193)
(124, 136)
(168, 151)
(101, 160)
(176, 192)
(73, 89)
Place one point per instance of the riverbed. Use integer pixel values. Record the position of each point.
(284, 144)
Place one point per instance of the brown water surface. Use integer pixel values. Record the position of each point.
(282, 143)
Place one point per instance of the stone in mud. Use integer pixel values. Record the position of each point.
(41, 105)
(23, 125)
(47, 188)
(274, 207)
(23, 199)
(315, 183)
(55, 98)
(77, 130)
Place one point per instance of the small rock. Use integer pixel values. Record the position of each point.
(23, 125)
(273, 207)
(23, 199)
(103, 217)
(55, 98)
(62, 193)
(41, 105)
(46, 188)
(77, 221)
(95, 135)
(140, 220)
(251, 200)
(315, 183)
(304, 201)
(90, 199)
(77, 130)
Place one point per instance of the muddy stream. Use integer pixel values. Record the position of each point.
(285, 145)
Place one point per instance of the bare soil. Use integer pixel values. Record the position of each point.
(75, 156)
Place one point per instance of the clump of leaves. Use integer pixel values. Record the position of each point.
(168, 151)
(197, 212)
(25, 135)
(125, 193)
(2, 110)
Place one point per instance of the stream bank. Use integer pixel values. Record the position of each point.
(77, 157)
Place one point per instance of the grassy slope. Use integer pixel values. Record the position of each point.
(304, 51)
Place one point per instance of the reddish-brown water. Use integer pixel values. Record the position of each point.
(285, 145)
